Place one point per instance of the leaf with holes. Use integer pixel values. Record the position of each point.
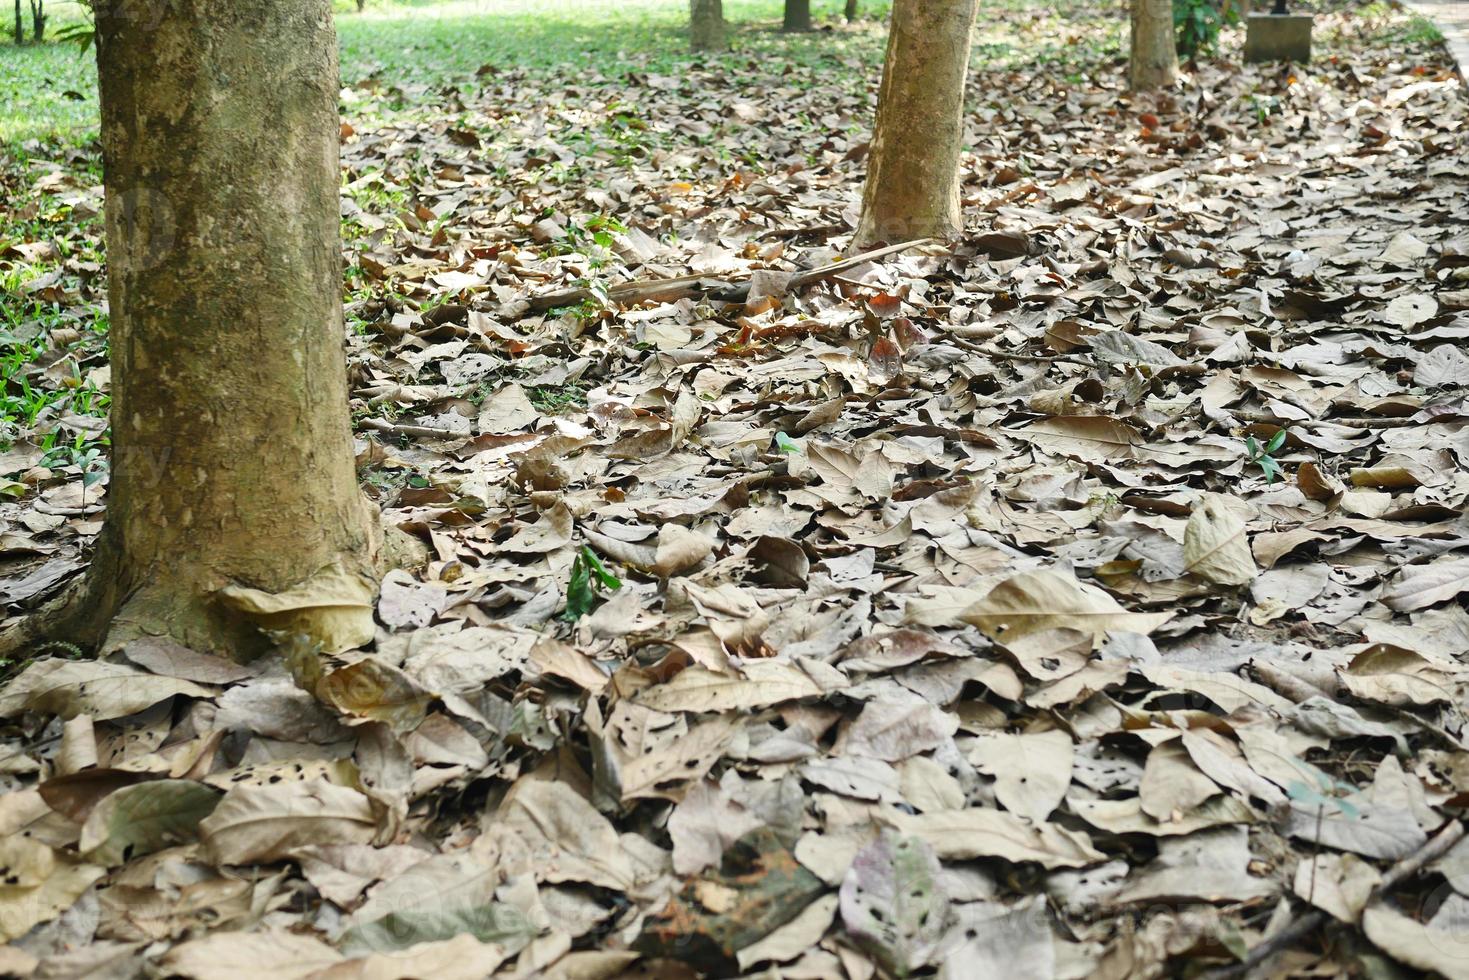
(893, 902)
(144, 818)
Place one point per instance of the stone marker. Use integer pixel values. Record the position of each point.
(1278, 36)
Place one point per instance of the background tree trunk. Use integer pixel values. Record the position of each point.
(1153, 60)
(851, 11)
(232, 450)
(912, 188)
(798, 15)
(38, 21)
(20, 31)
(706, 25)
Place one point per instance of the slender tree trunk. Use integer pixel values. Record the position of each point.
(851, 11)
(798, 15)
(20, 31)
(232, 451)
(361, 5)
(1153, 60)
(912, 186)
(706, 25)
(38, 20)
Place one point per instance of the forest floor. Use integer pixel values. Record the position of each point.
(1085, 599)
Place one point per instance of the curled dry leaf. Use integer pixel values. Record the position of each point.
(1033, 601)
(698, 689)
(963, 835)
(261, 824)
(1215, 546)
(67, 688)
(333, 608)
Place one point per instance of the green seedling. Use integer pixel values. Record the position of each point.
(588, 577)
(1263, 455)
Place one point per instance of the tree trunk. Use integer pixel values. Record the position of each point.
(706, 25)
(361, 5)
(798, 15)
(912, 188)
(38, 21)
(851, 11)
(20, 31)
(232, 450)
(1153, 60)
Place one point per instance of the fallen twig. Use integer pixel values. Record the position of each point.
(1436, 847)
(726, 290)
(823, 231)
(417, 431)
(1355, 422)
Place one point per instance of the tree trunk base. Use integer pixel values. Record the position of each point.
(70, 618)
(100, 613)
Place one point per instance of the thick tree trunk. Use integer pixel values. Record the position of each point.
(851, 11)
(706, 25)
(912, 186)
(232, 451)
(1153, 60)
(798, 15)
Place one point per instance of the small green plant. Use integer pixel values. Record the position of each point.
(588, 577)
(556, 399)
(786, 444)
(593, 238)
(1263, 455)
(1263, 107)
(1197, 24)
(86, 457)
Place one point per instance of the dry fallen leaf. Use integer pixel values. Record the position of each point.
(1215, 546)
(1034, 601)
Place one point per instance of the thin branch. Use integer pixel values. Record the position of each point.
(415, 431)
(1436, 847)
(726, 290)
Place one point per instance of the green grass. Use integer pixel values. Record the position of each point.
(417, 48)
(1419, 32)
(49, 91)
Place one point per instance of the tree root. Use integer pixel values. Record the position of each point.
(105, 608)
(73, 618)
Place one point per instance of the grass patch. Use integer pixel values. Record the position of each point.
(556, 399)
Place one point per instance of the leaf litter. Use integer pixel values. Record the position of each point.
(1082, 599)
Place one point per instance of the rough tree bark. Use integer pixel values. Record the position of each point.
(706, 25)
(232, 456)
(798, 15)
(1153, 59)
(912, 188)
